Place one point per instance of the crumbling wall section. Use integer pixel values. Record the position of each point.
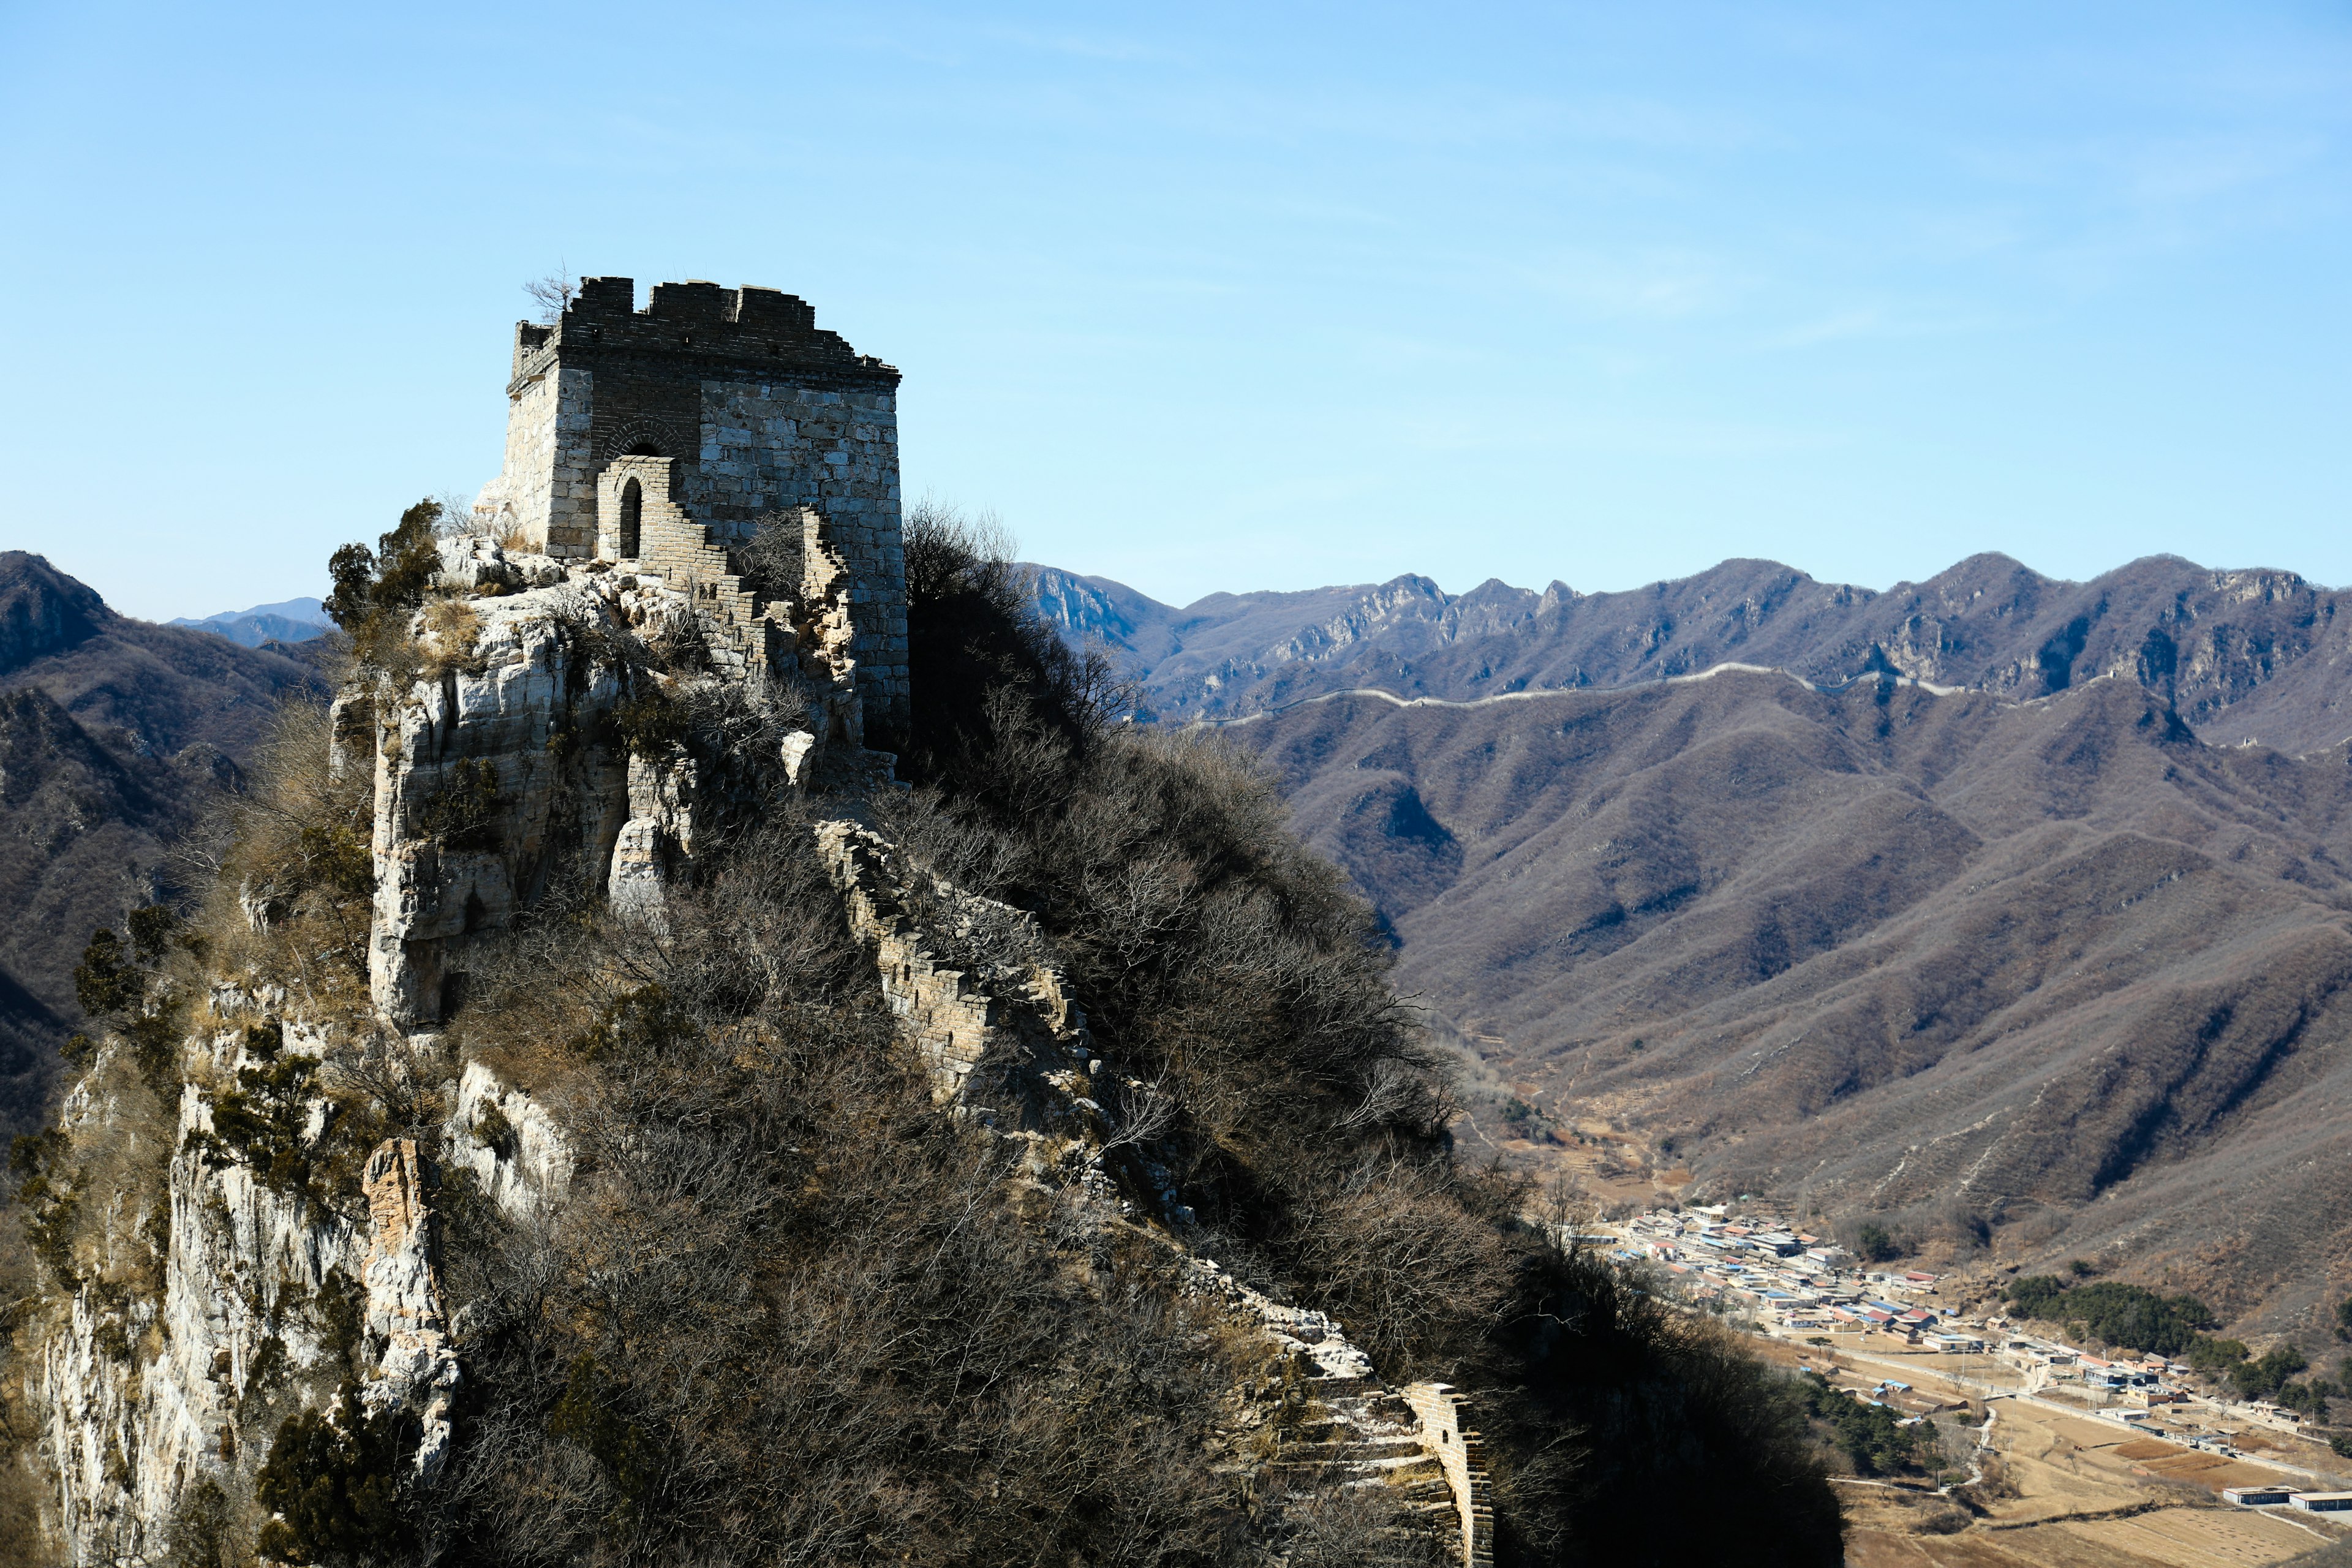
(767, 448)
(1461, 1452)
(958, 1001)
(990, 1017)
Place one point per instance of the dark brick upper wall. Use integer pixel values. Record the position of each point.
(708, 331)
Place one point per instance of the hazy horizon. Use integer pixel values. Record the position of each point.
(1454, 591)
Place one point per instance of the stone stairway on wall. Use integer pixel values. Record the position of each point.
(1368, 1437)
(684, 553)
(992, 1019)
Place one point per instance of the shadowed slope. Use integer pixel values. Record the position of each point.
(113, 735)
(1951, 957)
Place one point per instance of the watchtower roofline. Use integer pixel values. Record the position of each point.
(723, 333)
(745, 411)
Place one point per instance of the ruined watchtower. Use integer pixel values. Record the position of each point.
(709, 409)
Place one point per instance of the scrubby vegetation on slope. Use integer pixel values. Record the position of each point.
(2131, 1317)
(788, 1311)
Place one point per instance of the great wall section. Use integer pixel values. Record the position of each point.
(660, 464)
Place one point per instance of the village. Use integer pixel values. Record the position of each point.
(2135, 1452)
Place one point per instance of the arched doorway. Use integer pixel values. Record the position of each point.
(632, 508)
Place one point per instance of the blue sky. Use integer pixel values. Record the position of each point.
(1207, 298)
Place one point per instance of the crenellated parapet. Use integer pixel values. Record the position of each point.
(738, 407)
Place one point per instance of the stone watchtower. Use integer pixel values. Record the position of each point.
(714, 408)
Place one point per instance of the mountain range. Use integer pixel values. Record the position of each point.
(287, 621)
(115, 736)
(2243, 656)
(2013, 914)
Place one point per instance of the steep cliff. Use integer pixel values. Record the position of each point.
(228, 1238)
(594, 1081)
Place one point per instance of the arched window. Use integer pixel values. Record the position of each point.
(633, 508)
(643, 449)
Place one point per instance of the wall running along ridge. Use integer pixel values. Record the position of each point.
(992, 1019)
(504, 766)
(1461, 1453)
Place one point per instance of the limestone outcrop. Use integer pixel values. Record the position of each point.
(540, 734)
(646, 652)
(146, 1397)
(417, 1372)
(540, 740)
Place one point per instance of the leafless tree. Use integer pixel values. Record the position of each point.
(1142, 1113)
(553, 293)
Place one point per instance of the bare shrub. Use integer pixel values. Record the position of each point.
(1141, 1113)
(772, 561)
(451, 627)
(552, 294)
(292, 873)
(992, 667)
(1360, 1526)
(1396, 1253)
(789, 1312)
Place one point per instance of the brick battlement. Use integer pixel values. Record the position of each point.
(753, 412)
(737, 331)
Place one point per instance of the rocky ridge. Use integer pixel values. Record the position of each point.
(2241, 655)
(536, 733)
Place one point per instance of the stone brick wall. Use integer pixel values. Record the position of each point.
(1459, 1452)
(547, 471)
(758, 410)
(949, 1016)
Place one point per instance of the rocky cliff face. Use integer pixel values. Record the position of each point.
(242, 1207)
(534, 734)
(145, 1392)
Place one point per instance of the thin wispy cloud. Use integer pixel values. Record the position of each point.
(1876, 322)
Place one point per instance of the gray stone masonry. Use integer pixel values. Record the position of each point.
(1461, 1454)
(978, 994)
(756, 411)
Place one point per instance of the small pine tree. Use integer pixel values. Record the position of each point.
(374, 589)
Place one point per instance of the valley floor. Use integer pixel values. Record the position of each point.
(2085, 1492)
